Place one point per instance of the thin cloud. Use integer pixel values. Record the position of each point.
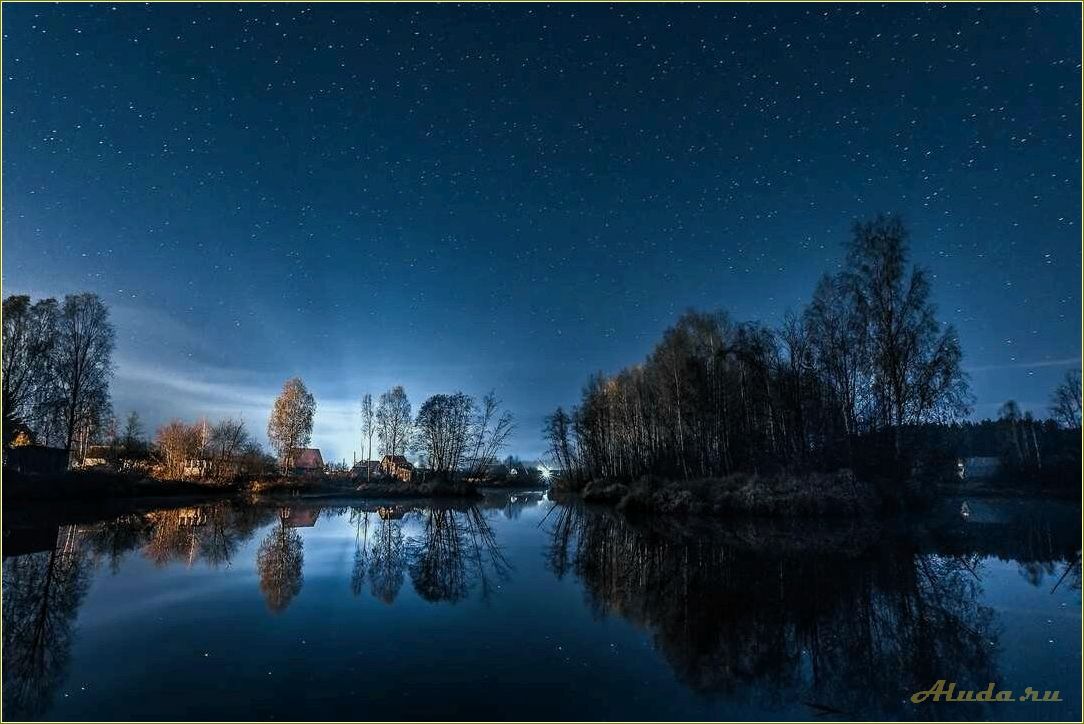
(1066, 362)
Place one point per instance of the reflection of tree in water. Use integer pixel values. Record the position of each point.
(741, 613)
(279, 562)
(515, 503)
(457, 550)
(387, 561)
(111, 540)
(359, 518)
(211, 534)
(42, 592)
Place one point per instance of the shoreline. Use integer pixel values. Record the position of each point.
(86, 487)
(824, 496)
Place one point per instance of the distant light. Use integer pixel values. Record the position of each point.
(545, 472)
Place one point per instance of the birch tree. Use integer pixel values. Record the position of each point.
(1065, 402)
(368, 427)
(290, 424)
(83, 362)
(393, 421)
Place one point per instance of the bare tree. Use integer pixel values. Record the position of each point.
(393, 421)
(716, 397)
(290, 425)
(226, 445)
(492, 428)
(558, 432)
(133, 432)
(83, 361)
(30, 333)
(840, 344)
(915, 361)
(177, 442)
(367, 429)
(443, 431)
(1065, 402)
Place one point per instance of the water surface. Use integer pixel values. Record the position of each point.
(517, 608)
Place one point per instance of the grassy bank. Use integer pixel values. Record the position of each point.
(786, 495)
(93, 485)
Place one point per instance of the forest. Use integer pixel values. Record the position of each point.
(865, 377)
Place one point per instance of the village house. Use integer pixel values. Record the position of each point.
(97, 455)
(366, 468)
(307, 461)
(197, 468)
(397, 466)
(36, 459)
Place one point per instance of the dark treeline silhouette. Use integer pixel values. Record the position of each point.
(846, 383)
(57, 364)
(1029, 451)
(843, 619)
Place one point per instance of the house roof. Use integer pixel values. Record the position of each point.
(397, 460)
(308, 457)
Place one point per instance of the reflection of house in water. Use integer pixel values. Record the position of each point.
(391, 512)
(192, 517)
(300, 517)
(19, 541)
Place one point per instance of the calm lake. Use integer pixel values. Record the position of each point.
(514, 607)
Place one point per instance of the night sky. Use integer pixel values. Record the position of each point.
(512, 197)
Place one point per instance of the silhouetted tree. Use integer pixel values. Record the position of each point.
(393, 421)
(915, 366)
(368, 427)
(443, 431)
(83, 363)
(715, 397)
(1065, 402)
(30, 337)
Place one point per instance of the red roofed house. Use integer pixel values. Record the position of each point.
(307, 461)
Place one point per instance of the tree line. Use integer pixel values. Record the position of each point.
(57, 366)
(839, 384)
(453, 434)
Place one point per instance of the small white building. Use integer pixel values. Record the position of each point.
(977, 468)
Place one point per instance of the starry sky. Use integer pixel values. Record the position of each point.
(511, 197)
